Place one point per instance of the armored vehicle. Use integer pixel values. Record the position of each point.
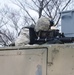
(40, 57)
(55, 59)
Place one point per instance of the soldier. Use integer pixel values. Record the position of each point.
(44, 24)
(23, 38)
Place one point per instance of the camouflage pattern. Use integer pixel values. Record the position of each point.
(23, 38)
(43, 23)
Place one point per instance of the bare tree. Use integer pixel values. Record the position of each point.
(14, 17)
(54, 8)
(8, 22)
(11, 21)
(50, 8)
(6, 37)
(3, 14)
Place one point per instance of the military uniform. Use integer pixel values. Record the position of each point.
(23, 38)
(43, 23)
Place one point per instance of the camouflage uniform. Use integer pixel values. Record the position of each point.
(42, 24)
(23, 38)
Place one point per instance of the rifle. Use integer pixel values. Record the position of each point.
(49, 37)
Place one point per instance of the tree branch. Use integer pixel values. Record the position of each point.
(5, 35)
(27, 12)
(66, 5)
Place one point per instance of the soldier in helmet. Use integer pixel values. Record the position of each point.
(44, 24)
(23, 38)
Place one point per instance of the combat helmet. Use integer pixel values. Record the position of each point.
(43, 23)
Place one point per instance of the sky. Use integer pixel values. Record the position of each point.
(4, 2)
(9, 3)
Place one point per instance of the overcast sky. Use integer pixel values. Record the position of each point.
(9, 3)
(4, 1)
